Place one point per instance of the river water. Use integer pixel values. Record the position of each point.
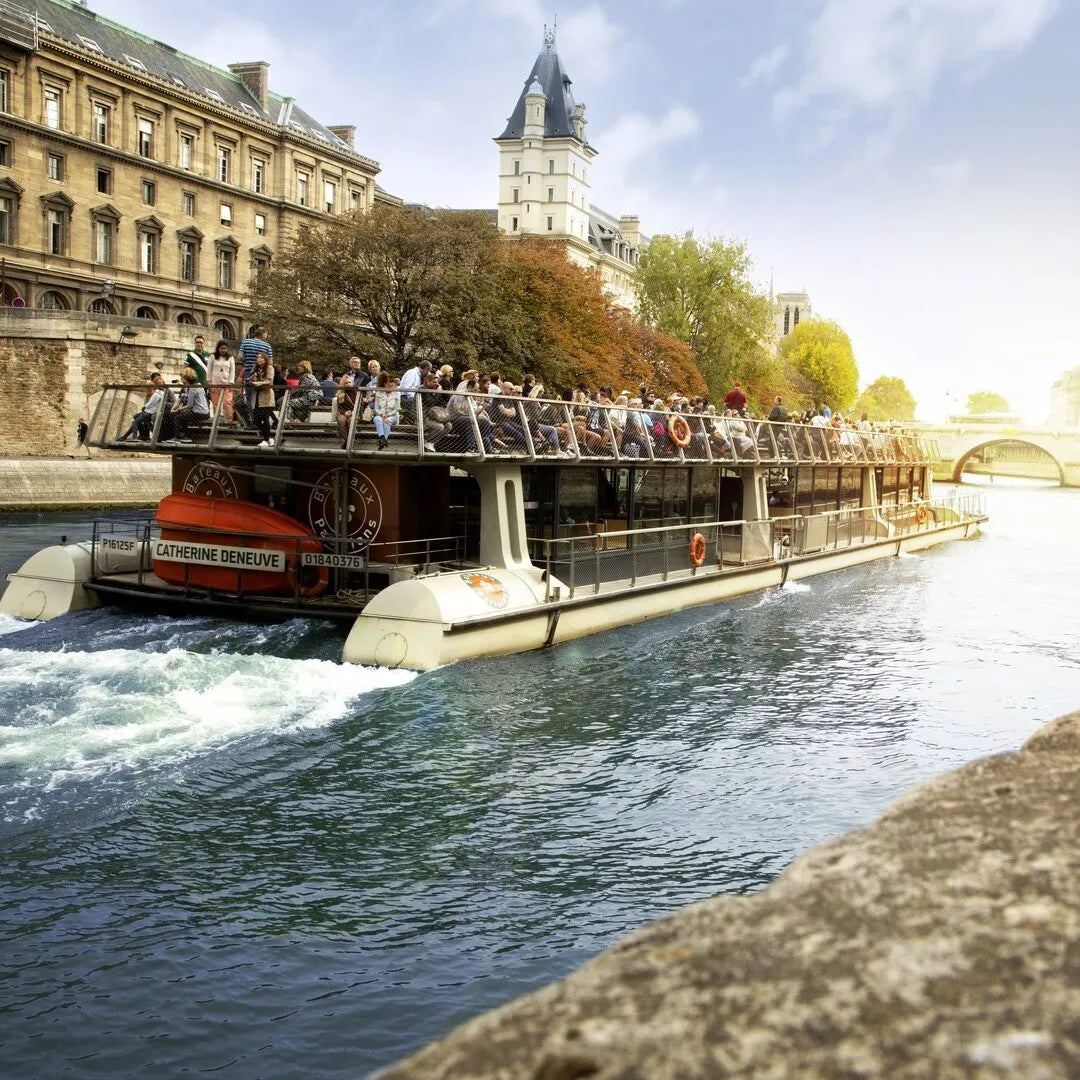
(222, 850)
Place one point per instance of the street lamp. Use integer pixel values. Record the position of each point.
(194, 289)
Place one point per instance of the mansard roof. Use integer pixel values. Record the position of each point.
(555, 83)
(94, 35)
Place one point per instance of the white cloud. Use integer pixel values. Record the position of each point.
(636, 135)
(765, 67)
(890, 53)
(951, 174)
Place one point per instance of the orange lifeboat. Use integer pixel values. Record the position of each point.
(232, 545)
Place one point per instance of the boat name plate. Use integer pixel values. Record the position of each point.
(210, 555)
(338, 562)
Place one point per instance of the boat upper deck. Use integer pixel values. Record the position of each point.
(436, 427)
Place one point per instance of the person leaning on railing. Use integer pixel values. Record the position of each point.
(142, 423)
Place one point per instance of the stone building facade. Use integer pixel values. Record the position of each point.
(544, 189)
(1065, 400)
(792, 308)
(140, 182)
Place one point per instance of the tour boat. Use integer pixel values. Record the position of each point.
(464, 538)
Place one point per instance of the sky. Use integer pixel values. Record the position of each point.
(911, 164)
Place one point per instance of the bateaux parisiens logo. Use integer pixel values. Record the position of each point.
(345, 503)
(211, 479)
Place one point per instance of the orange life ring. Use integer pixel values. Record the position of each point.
(697, 548)
(679, 430)
(920, 514)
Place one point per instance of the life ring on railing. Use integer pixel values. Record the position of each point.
(920, 514)
(697, 549)
(309, 580)
(679, 430)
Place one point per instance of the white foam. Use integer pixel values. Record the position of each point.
(9, 624)
(95, 712)
(796, 587)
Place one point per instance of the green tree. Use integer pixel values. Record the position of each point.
(886, 398)
(819, 356)
(700, 292)
(985, 401)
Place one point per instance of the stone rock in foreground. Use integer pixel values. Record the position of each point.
(942, 941)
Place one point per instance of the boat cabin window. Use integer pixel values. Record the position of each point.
(850, 488)
(703, 492)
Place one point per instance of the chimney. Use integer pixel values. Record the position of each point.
(630, 227)
(256, 77)
(345, 132)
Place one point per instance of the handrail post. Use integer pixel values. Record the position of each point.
(480, 450)
(530, 444)
(418, 411)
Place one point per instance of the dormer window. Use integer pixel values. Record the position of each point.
(90, 43)
(135, 62)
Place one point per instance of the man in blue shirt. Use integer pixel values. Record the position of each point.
(249, 349)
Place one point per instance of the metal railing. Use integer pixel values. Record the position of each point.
(441, 424)
(626, 558)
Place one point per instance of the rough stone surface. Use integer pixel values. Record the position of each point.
(52, 483)
(941, 941)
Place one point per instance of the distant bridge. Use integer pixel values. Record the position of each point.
(959, 444)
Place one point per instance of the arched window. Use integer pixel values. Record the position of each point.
(224, 328)
(251, 329)
(102, 306)
(9, 294)
(52, 301)
(145, 312)
(787, 321)
(185, 318)
(796, 316)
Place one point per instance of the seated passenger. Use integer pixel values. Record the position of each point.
(192, 410)
(386, 408)
(346, 406)
(142, 423)
(307, 395)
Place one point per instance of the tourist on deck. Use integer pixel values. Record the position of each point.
(544, 433)
(142, 423)
(329, 387)
(446, 377)
(261, 385)
(197, 359)
(221, 376)
(735, 398)
(412, 380)
(495, 384)
(633, 435)
(307, 395)
(778, 414)
(463, 409)
(436, 417)
(346, 406)
(249, 349)
(192, 409)
(386, 408)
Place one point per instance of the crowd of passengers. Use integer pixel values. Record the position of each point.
(459, 409)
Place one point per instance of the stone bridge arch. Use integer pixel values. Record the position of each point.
(974, 443)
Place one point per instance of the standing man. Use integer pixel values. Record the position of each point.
(196, 360)
(249, 349)
(735, 398)
(412, 380)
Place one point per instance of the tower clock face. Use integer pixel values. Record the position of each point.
(362, 518)
(211, 479)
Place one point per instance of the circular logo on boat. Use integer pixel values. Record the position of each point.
(362, 517)
(211, 479)
(491, 590)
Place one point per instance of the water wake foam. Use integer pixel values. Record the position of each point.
(10, 625)
(72, 716)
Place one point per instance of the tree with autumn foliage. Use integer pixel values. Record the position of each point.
(700, 292)
(402, 284)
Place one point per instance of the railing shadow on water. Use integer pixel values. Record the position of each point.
(444, 424)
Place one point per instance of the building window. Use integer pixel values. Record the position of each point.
(149, 192)
(189, 204)
(517, 168)
(329, 196)
(7, 220)
(258, 173)
(226, 214)
(551, 165)
(4, 79)
(260, 224)
(224, 268)
(796, 319)
(224, 163)
(100, 124)
(259, 265)
(56, 167)
(513, 224)
(517, 194)
(187, 150)
(5, 153)
(189, 260)
(103, 242)
(787, 321)
(56, 226)
(146, 138)
(550, 223)
(354, 200)
(104, 181)
(52, 107)
(145, 312)
(551, 194)
(302, 188)
(148, 246)
(52, 301)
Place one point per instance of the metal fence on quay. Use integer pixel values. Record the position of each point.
(444, 425)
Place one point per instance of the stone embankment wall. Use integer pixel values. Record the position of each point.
(942, 941)
(55, 483)
(53, 365)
